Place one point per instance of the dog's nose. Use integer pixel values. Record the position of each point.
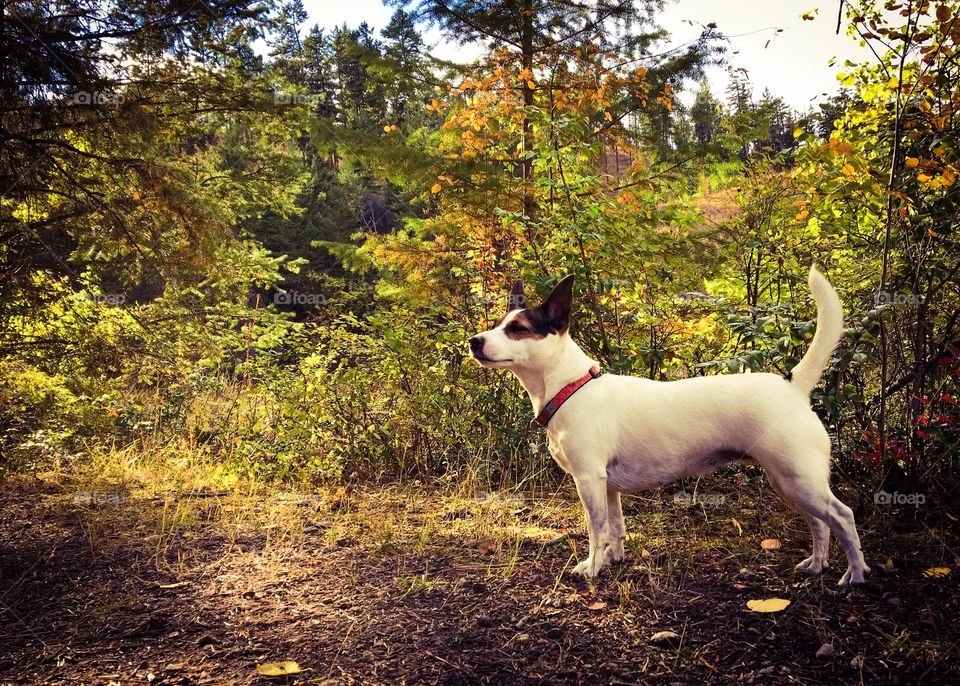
(476, 343)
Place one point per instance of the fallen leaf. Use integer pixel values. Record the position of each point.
(179, 584)
(770, 544)
(596, 605)
(737, 524)
(936, 572)
(664, 637)
(436, 188)
(768, 605)
(279, 668)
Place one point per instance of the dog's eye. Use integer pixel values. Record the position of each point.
(517, 328)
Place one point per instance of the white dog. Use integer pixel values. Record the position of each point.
(620, 434)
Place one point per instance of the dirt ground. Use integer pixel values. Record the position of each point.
(405, 585)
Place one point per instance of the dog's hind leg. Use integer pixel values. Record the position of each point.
(843, 525)
(617, 528)
(819, 531)
(817, 562)
(809, 492)
(593, 495)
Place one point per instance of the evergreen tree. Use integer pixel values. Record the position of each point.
(319, 76)
(286, 46)
(705, 115)
(403, 53)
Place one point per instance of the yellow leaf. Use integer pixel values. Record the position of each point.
(768, 605)
(932, 233)
(923, 178)
(936, 572)
(607, 116)
(436, 188)
(136, 195)
(279, 668)
(848, 169)
(912, 162)
(801, 215)
(797, 132)
(770, 544)
(531, 84)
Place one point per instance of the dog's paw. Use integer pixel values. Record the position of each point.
(587, 569)
(853, 577)
(615, 552)
(812, 566)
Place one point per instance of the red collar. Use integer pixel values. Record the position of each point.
(550, 409)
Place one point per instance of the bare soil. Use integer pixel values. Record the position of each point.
(391, 585)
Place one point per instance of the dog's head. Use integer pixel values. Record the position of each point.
(526, 337)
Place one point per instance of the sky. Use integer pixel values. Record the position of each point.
(793, 63)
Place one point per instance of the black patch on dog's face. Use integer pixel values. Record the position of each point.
(553, 315)
(529, 324)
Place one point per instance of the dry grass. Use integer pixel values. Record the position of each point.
(185, 564)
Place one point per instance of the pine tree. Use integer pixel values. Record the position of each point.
(319, 73)
(403, 53)
(705, 115)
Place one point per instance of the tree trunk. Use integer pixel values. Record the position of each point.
(526, 51)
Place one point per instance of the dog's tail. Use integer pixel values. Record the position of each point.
(829, 331)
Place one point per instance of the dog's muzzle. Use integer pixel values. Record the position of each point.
(476, 346)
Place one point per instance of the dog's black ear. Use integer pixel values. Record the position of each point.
(556, 308)
(517, 300)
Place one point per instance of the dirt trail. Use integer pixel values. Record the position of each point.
(379, 587)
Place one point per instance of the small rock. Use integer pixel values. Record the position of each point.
(857, 662)
(523, 637)
(827, 651)
(556, 601)
(662, 637)
(485, 621)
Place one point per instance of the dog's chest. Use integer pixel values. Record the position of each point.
(557, 454)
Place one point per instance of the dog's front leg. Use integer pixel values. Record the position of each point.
(618, 529)
(593, 495)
